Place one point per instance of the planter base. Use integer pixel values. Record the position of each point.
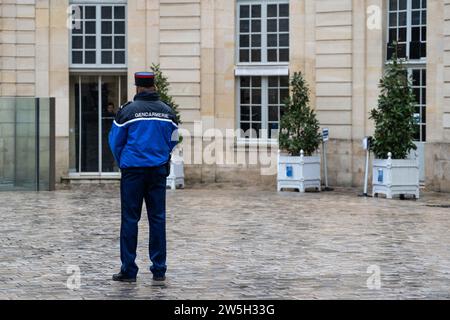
(298, 173)
(176, 178)
(396, 177)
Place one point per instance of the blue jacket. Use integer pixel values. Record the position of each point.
(144, 133)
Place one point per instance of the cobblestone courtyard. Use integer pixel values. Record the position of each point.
(229, 243)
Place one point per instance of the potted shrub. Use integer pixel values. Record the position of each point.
(299, 139)
(393, 172)
(176, 177)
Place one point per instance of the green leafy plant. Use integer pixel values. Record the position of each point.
(394, 118)
(299, 125)
(162, 87)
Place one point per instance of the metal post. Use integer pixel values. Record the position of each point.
(366, 173)
(325, 164)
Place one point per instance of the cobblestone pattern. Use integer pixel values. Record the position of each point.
(229, 244)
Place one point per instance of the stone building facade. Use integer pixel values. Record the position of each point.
(228, 62)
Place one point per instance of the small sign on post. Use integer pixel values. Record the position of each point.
(325, 134)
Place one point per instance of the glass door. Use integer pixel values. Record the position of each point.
(94, 105)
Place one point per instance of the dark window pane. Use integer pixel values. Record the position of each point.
(77, 42)
(119, 57)
(424, 4)
(417, 94)
(424, 115)
(402, 35)
(272, 55)
(256, 96)
(256, 113)
(245, 82)
(90, 42)
(256, 40)
(119, 42)
(416, 4)
(90, 12)
(244, 41)
(119, 12)
(424, 17)
(284, 82)
(106, 27)
(256, 82)
(424, 34)
(106, 12)
(401, 51)
(272, 40)
(415, 34)
(284, 40)
(402, 4)
(256, 11)
(244, 11)
(272, 25)
(414, 50)
(119, 27)
(392, 35)
(393, 19)
(244, 55)
(272, 10)
(77, 57)
(245, 113)
(273, 82)
(245, 26)
(90, 27)
(284, 93)
(89, 57)
(245, 96)
(256, 26)
(393, 5)
(424, 77)
(106, 42)
(106, 57)
(416, 17)
(284, 25)
(256, 55)
(416, 77)
(402, 19)
(284, 10)
(284, 55)
(424, 96)
(273, 113)
(273, 96)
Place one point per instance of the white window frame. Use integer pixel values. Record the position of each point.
(264, 112)
(408, 26)
(264, 62)
(98, 35)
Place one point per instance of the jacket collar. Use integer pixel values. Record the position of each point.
(147, 96)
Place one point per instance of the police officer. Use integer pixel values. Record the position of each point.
(142, 138)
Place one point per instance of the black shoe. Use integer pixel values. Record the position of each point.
(122, 278)
(159, 280)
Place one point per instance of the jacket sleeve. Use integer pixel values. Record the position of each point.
(117, 140)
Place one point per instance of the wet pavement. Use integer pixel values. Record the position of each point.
(227, 242)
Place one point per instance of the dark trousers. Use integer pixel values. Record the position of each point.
(137, 185)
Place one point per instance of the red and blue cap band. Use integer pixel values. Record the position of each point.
(144, 79)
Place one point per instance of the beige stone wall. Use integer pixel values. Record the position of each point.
(17, 47)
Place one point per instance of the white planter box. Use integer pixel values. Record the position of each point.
(396, 177)
(176, 178)
(298, 172)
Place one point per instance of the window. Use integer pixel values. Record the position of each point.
(407, 24)
(263, 31)
(419, 79)
(261, 105)
(98, 37)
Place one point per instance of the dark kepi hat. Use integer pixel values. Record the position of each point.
(144, 79)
